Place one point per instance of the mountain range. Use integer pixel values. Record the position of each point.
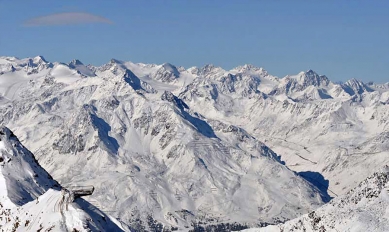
(203, 148)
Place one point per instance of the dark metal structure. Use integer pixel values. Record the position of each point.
(80, 191)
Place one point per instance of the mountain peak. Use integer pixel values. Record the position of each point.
(210, 68)
(76, 62)
(170, 97)
(39, 60)
(115, 61)
(308, 73)
(310, 77)
(354, 86)
(81, 68)
(166, 73)
(354, 81)
(171, 68)
(250, 67)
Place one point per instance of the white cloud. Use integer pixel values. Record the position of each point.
(67, 19)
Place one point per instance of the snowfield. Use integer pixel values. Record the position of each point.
(200, 148)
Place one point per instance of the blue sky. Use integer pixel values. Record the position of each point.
(341, 39)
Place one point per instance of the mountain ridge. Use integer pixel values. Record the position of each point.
(32, 200)
(206, 68)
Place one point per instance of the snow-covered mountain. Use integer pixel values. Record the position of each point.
(363, 208)
(81, 68)
(22, 178)
(338, 122)
(199, 147)
(31, 200)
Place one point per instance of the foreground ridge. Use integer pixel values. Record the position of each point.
(31, 200)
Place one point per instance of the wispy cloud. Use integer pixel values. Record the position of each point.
(68, 18)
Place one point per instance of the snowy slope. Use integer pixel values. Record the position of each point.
(338, 121)
(24, 71)
(31, 200)
(48, 213)
(22, 179)
(364, 208)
